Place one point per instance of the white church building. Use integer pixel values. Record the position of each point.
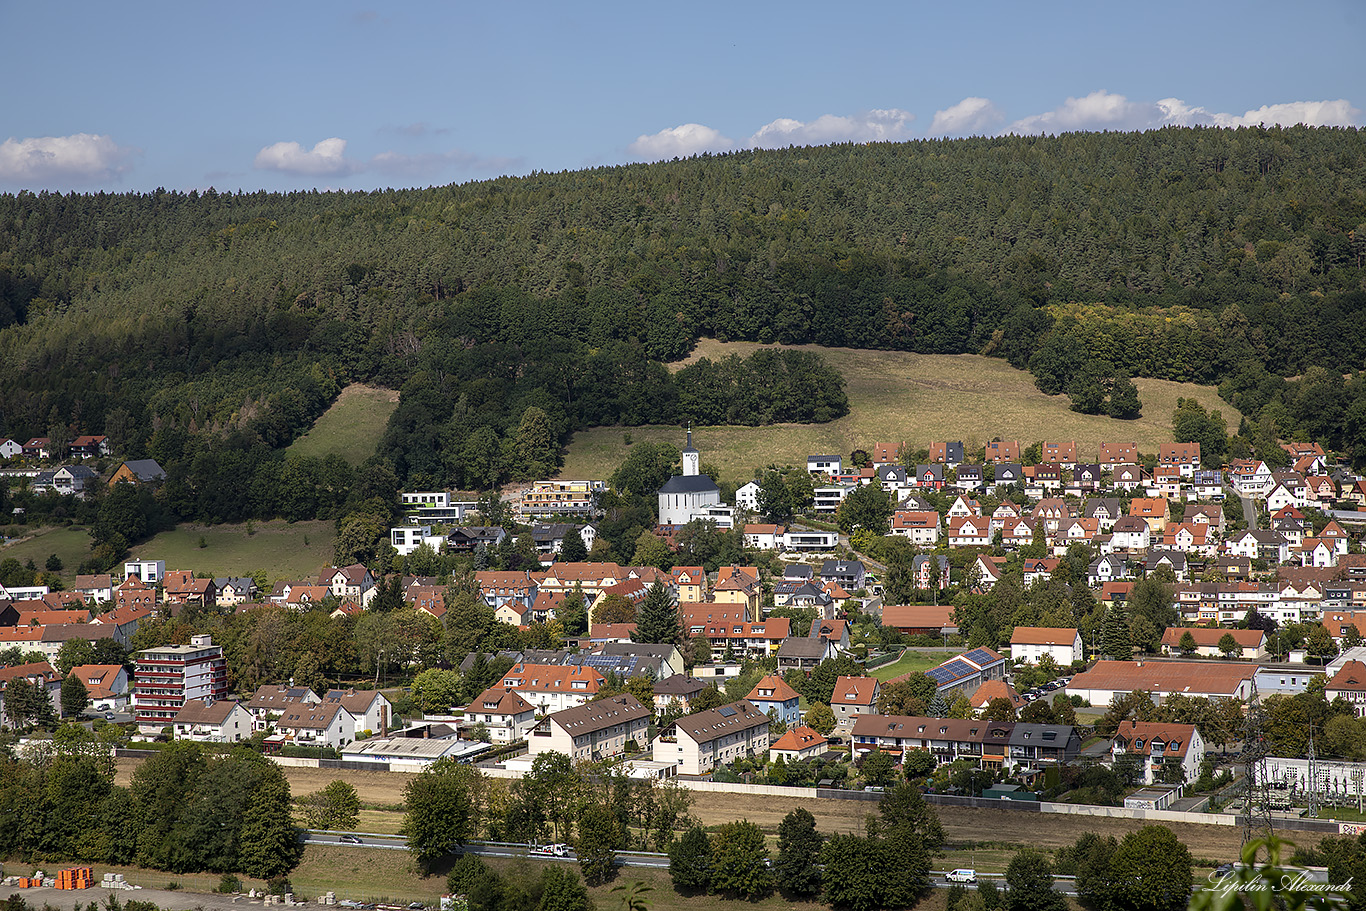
(691, 495)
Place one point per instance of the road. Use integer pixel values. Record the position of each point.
(383, 842)
(1063, 884)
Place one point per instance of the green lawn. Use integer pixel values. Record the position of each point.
(908, 663)
(71, 544)
(895, 396)
(352, 427)
(281, 549)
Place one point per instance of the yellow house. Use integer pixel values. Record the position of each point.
(691, 582)
(739, 585)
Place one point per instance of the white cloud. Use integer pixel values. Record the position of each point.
(77, 159)
(866, 126)
(327, 159)
(679, 142)
(969, 117)
(1101, 110)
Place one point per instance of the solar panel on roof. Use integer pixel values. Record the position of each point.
(941, 674)
(980, 656)
(727, 710)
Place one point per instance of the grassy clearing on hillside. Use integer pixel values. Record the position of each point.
(71, 544)
(894, 396)
(352, 427)
(908, 663)
(282, 550)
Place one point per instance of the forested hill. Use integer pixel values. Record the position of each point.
(1212, 255)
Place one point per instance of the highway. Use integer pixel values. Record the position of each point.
(384, 842)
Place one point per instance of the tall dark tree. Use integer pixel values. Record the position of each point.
(797, 867)
(690, 863)
(572, 549)
(657, 618)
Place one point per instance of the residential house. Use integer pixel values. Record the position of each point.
(848, 573)
(996, 689)
(922, 528)
(930, 572)
(349, 583)
(551, 688)
(559, 498)
(221, 721)
(824, 464)
(506, 589)
(1065, 454)
(804, 654)
(828, 497)
(760, 536)
(969, 531)
(325, 724)
(469, 538)
(988, 570)
(739, 585)
(138, 471)
(503, 713)
(1184, 456)
(37, 448)
(1251, 643)
(594, 731)
(122, 622)
(1259, 544)
(1107, 568)
(930, 476)
(681, 689)
(885, 454)
(798, 744)
(408, 538)
(1127, 477)
(9, 449)
(1052, 512)
(370, 708)
(149, 571)
(38, 673)
(1249, 477)
(230, 591)
(1113, 455)
(270, 701)
(1349, 683)
(968, 477)
(1160, 745)
(774, 697)
(95, 589)
(1019, 533)
(1198, 514)
(1131, 534)
(549, 538)
(747, 496)
(181, 589)
(1206, 484)
(699, 743)
(895, 480)
(852, 697)
(998, 451)
(837, 631)
(1007, 473)
(963, 505)
(1086, 478)
(1031, 643)
(105, 684)
(90, 446)
(948, 454)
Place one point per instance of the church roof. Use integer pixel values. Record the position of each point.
(696, 483)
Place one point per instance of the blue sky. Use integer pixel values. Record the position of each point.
(333, 95)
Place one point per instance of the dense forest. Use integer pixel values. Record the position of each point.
(517, 310)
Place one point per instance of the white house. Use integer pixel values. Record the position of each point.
(149, 571)
(503, 713)
(224, 721)
(699, 743)
(747, 496)
(1156, 745)
(593, 731)
(1030, 643)
(326, 724)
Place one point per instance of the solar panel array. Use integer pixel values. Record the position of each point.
(726, 710)
(980, 656)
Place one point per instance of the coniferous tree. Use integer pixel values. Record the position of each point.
(1115, 641)
(657, 619)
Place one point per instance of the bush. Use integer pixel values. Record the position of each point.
(229, 884)
(278, 885)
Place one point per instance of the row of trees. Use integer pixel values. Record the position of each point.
(886, 868)
(186, 810)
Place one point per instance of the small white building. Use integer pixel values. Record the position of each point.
(224, 721)
(326, 724)
(798, 744)
(506, 715)
(1159, 744)
(1030, 643)
(408, 538)
(149, 571)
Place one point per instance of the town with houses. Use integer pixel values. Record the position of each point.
(1236, 541)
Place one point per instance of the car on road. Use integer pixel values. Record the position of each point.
(350, 840)
(551, 850)
(961, 876)
(108, 716)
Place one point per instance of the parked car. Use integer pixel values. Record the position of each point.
(961, 876)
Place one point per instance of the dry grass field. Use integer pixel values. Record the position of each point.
(895, 396)
(352, 427)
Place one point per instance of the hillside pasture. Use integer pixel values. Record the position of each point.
(283, 550)
(72, 545)
(352, 427)
(895, 396)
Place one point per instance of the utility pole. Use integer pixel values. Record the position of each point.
(1313, 778)
(1256, 800)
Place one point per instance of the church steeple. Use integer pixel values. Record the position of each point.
(692, 460)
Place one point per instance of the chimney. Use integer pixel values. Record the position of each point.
(384, 721)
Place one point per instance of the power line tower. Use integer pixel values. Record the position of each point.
(1256, 787)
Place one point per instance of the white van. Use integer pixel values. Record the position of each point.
(961, 876)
